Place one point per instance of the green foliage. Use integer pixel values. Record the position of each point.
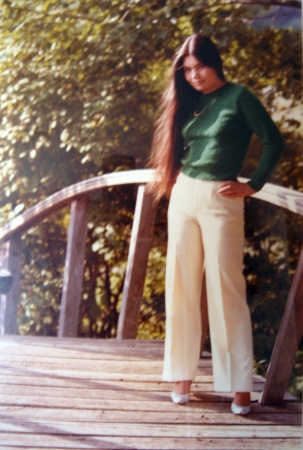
(107, 247)
(80, 81)
(42, 276)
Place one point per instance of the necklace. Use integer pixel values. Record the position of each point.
(209, 104)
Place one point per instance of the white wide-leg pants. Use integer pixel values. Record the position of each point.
(206, 232)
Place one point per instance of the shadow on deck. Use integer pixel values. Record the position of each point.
(65, 393)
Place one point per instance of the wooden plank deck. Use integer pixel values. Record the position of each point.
(65, 393)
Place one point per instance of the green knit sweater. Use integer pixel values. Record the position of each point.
(216, 142)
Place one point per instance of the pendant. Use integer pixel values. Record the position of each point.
(197, 114)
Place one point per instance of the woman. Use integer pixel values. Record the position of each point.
(201, 140)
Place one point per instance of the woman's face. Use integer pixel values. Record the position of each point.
(202, 78)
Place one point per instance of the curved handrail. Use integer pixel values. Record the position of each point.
(62, 198)
(277, 195)
(281, 196)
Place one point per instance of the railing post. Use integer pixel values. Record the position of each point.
(287, 342)
(204, 315)
(142, 232)
(74, 264)
(11, 260)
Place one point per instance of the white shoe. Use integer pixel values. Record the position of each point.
(240, 410)
(179, 399)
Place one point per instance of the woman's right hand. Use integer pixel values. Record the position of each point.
(234, 189)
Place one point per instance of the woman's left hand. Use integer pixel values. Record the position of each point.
(233, 189)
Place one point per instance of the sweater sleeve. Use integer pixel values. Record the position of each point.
(260, 123)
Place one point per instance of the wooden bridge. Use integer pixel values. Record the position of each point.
(68, 392)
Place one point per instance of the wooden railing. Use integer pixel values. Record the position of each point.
(78, 196)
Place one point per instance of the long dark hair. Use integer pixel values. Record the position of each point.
(178, 102)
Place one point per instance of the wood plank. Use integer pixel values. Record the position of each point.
(78, 344)
(287, 342)
(73, 270)
(122, 411)
(140, 243)
(81, 344)
(94, 376)
(204, 315)
(76, 425)
(75, 442)
(141, 381)
(95, 381)
(68, 346)
(70, 355)
(11, 260)
(130, 390)
(79, 389)
(137, 366)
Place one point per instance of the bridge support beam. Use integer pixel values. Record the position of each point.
(11, 260)
(142, 232)
(74, 264)
(287, 342)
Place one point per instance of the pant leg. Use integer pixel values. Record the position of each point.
(229, 316)
(184, 270)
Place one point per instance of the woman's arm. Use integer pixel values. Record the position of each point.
(262, 125)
